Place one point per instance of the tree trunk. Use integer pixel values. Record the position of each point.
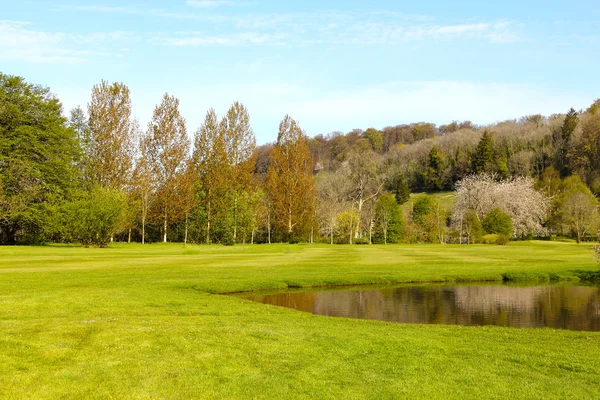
(165, 229)
(129, 236)
(186, 229)
(143, 229)
(208, 216)
(331, 231)
(269, 225)
(235, 218)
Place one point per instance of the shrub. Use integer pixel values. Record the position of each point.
(94, 218)
(361, 241)
(495, 238)
(497, 221)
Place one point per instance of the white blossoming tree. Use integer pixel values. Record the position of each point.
(515, 196)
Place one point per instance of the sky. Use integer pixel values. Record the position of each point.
(331, 65)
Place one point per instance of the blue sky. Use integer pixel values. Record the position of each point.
(332, 65)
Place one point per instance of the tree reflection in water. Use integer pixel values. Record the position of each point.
(556, 306)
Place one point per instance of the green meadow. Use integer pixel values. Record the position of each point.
(133, 321)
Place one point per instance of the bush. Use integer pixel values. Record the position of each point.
(497, 222)
(94, 218)
(361, 241)
(495, 238)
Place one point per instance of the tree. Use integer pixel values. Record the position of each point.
(497, 222)
(576, 208)
(375, 139)
(290, 181)
(585, 153)
(213, 171)
(433, 175)
(346, 223)
(167, 154)
(430, 217)
(389, 219)
(399, 187)
(111, 140)
(471, 227)
(96, 217)
(561, 139)
(332, 189)
(144, 181)
(240, 145)
(38, 158)
(516, 197)
(482, 159)
(580, 211)
(366, 182)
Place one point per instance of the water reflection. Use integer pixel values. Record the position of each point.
(562, 306)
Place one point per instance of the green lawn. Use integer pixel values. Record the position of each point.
(136, 321)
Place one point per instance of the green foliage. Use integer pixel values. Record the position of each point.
(389, 220)
(346, 226)
(472, 228)
(497, 222)
(375, 139)
(423, 206)
(495, 238)
(482, 158)
(93, 219)
(38, 155)
(399, 186)
(430, 219)
(433, 175)
(561, 139)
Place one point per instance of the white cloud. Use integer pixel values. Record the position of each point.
(19, 41)
(199, 39)
(206, 3)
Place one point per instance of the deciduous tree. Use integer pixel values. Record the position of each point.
(290, 181)
(111, 141)
(168, 152)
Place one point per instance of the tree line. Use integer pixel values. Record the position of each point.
(97, 176)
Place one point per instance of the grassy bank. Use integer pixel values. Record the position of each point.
(143, 321)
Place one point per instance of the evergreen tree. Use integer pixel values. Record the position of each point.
(433, 176)
(482, 158)
(561, 139)
(399, 187)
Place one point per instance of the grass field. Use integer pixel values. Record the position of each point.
(136, 321)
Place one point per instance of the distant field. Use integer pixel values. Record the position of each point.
(446, 199)
(136, 321)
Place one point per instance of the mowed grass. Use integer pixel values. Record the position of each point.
(136, 321)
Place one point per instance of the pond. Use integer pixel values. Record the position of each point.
(574, 307)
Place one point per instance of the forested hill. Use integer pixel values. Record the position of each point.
(96, 175)
(434, 158)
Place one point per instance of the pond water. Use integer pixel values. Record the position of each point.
(571, 307)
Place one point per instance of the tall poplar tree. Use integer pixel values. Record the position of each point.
(168, 152)
(144, 181)
(212, 171)
(111, 139)
(290, 180)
